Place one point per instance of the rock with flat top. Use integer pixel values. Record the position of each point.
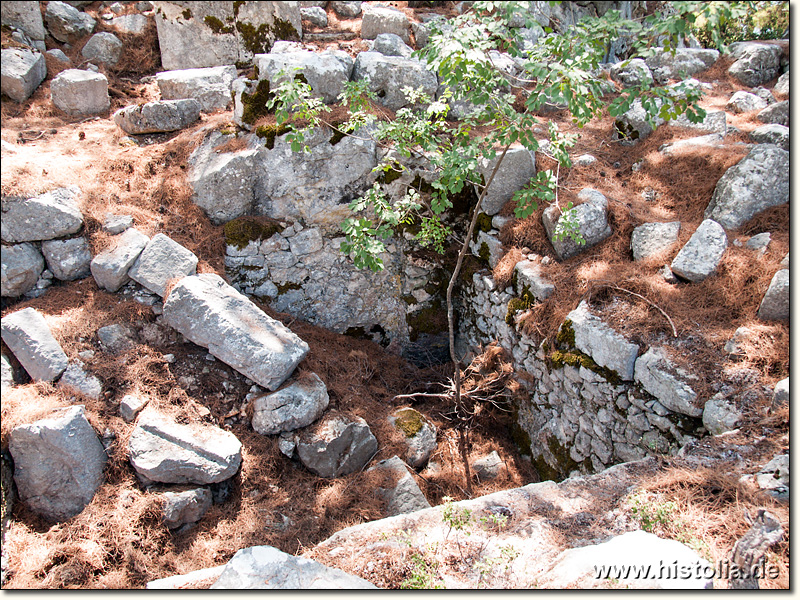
(670, 385)
(337, 445)
(777, 113)
(68, 260)
(21, 73)
(22, 264)
(771, 133)
(27, 335)
(103, 48)
(158, 117)
(405, 496)
(755, 63)
(742, 102)
(161, 261)
(604, 345)
(703, 252)
(590, 219)
(291, 407)
(210, 86)
(80, 93)
(388, 75)
(377, 20)
(653, 238)
(110, 267)
(47, 216)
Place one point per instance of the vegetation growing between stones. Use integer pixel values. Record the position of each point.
(240, 232)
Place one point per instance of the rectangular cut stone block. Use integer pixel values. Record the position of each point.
(27, 335)
(214, 315)
(162, 260)
(110, 268)
(22, 72)
(47, 216)
(210, 86)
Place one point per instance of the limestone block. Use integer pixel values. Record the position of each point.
(670, 385)
(326, 72)
(782, 87)
(182, 508)
(50, 215)
(777, 113)
(77, 380)
(529, 275)
(21, 72)
(103, 48)
(80, 93)
(338, 445)
(771, 134)
(590, 217)
(780, 397)
(25, 16)
(291, 407)
(405, 496)
(110, 267)
(700, 256)
(130, 24)
(419, 435)
(347, 8)
(68, 259)
(210, 86)
(390, 44)
(720, 415)
(631, 72)
(66, 23)
(27, 335)
(161, 261)
(387, 75)
(314, 15)
(131, 405)
(755, 63)
(775, 305)
(377, 20)
(606, 347)
(514, 173)
(652, 238)
(158, 117)
(742, 102)
(22, 264)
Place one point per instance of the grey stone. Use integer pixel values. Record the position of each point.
(306, 242)
(193, 580)
(755, 63)
(21, 72)
(720, 415)
(782, 87)
(771, 134)
(741, 334)
(670, 385)
(715, 121)
(27, 335)
(585, 160)
(58, 464)
(780, 397)
(514, 173)
(8, 374)
(685, 62)
(337, 445)
(347, 8)
(130, 24)
(25, 16)
(157, 117)
(742, 102)
(314, 15)
(326, 72)
(777, 113)
(166, 452)
(703, 143)
(182, 508)
(774, 477)
(211, 86)
(103, 48)
(115, 338)
(131, 405)
(634, 125)
(80, 93)
(488, 467)
(161, 261)
(591, 218)
(785, 262)
(66, 23)
(110, 267)
(22, 264)
(487, 243)
(77, 380)
(212, 314)
(419, 435)
(47, 216)
(377, 20)
(267, 568)
(759, 181)
(387, 75)
(653, 238)
(764, 94)
(632, 72)
(390, 44)
(405, 496)
(759, 243)
(529, 275)
(68, 259)
(700, 256)
(56, 61)
(775, 305)
(115, 224)
(294, 406)
(606, 347)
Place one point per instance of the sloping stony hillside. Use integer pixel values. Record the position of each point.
(200, 389)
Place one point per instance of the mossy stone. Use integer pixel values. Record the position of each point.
(269, 132)
(255, 104)
(240, 232)
(217, 26)
(409, 421)
(432, 320)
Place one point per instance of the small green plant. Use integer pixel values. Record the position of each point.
(423, 574)
(455, 518)
(494, 567)
(652, 514)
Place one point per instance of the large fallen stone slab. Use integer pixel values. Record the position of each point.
(158, 117)
(58, 464)
(404, 496)
(703, 252)
(669, 384)
(755, 63)
(110, 267)
(161, 261)
(211, 86)
(27, 335)
(775, 305)
(267, 568)
(21, 72)
(47, 216)
(514, 173)
(325, 72)
(164, 451)
(68, 260)
(653, 238)
(388, 75)
(292, 407)
(606, 347)
(419, 435)
(80, 93)
(212, 314)
(758, 182)
(337, 445)
(590, 219)
(66, 23)
(20, 268)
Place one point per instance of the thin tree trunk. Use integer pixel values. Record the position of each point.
(460, 409)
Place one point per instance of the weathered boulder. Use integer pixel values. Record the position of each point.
(590, 219)
(103, 48)
(685, 62)
(131, 405)
(80, 93)
(27, 335)
(653, 238)
(604, 345)
(703, 252)
(209, 34)
(291, 407)
(488, 467)
(166, 452)
(377, 20)
(161, 261)
(68, 259)
(703, 143)
(759, 242)
(326, 72)
(58, 464)
(337, 445)
(633, 125)
(348, 9)
(157, 117)
(720, 415)
(715, 121)
(21, 266)
(388, 75)
(115, 224)
(267, 568)
(780, 396)
(77, 380)
(755, 63)
(405, 496)
(110, 267)
(777, 113)
(212, 314)
(631, 72)
(529, 279)
(130, 24)
(764, 94)
(514, 173)
(419, 435)
(21, 72)
(47, 216)
(314, 15)
(774, 477)
(25, 16)
(182, 508)
(66, 23)
(771, 134)
(759, 181)
(669, 384)
(390, 44)
(211, 86)
(782, 87)
(743, 101)
(775, 305)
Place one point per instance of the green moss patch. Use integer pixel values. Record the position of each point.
(240, 232)
(409, 421)
(255, 104)
(269, 132)
(577, 359)
(432, 320)
(187, 14)
(217, 26)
